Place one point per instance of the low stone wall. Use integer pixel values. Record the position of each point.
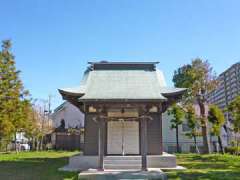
(83, 162)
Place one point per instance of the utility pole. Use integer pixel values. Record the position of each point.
(49, 108)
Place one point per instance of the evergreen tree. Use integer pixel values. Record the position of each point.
(192, 123)
(13, 100)
(216, 118)
(177, 115)
(234, 109)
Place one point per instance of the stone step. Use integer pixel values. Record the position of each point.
(123, 166)
(122, 161)
(122, 158)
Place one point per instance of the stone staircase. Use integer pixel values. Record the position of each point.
(122, 162)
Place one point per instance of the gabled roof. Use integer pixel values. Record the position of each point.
(59, 108)
(106, 81)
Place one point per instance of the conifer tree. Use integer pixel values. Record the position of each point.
(234, 109)
(192, 123)
(177, 119)
(216, 118)
(13, 102)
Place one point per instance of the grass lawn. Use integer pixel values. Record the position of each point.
(214, 167)
(44, 166)
(35, 166)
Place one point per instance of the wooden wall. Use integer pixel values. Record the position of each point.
(154, 134)
(91, 135)
(65, 141)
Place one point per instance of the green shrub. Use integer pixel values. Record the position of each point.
(232, 150)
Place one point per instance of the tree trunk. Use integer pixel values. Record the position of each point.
(237, 147)
(41, 143)
(206, 142)
(177, 141)
(15, 140)
(220, 144)
(195, 143)
(6, 147)
(37, 144)
(33, 144)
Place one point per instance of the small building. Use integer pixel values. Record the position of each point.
(123, 104)
(70, 114)
(68, 123)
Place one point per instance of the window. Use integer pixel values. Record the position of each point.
(173, 148)
(185, 127)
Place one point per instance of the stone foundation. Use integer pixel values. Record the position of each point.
(81, 162)
(161, 161)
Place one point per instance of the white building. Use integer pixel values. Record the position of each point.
(71, 115)
(70, 135)
(169, 137)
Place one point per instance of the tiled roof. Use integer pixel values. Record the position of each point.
(122, 84)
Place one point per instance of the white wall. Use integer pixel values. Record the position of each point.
(72, 116)
(20, 136)
(169, 135)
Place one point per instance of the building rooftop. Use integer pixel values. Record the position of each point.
(122, 81)
(105, 65)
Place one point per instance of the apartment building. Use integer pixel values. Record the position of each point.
(228, 88)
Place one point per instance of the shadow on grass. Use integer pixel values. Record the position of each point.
(35, 169)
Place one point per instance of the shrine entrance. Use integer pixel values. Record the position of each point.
(123, 137)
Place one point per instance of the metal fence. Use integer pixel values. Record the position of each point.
(188, 147)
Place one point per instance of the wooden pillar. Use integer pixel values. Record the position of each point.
(101, 143)
(160, 130)
(144, 143)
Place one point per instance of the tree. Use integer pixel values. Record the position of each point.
(192, 123)
(13, 100)
(33, 129)
(199, 79)
(177, 115)
(234, 109)
(216, 118)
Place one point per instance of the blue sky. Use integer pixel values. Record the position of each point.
(54, 40)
